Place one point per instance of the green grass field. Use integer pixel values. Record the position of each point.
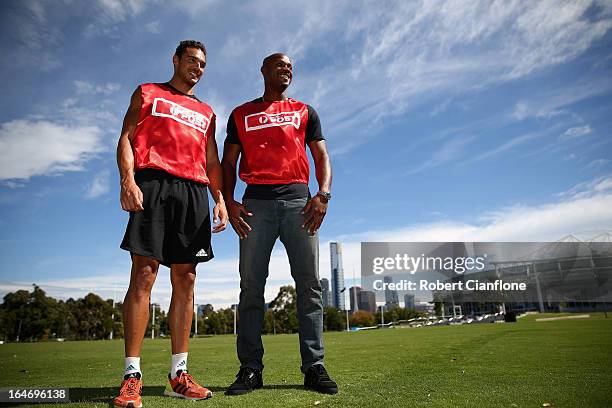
(567, 363)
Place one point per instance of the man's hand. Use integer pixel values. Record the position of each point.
(236, 210)
(219, 217)
(315, 211)
(131, 197)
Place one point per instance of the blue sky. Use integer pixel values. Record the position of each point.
(446, 121)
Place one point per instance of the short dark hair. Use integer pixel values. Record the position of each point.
(183, 45)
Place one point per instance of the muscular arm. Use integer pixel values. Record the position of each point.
(215, 177)
(316, 208)
(236, 210)
(323, 170)
(131, 196)
(231, 152)
(213, 166)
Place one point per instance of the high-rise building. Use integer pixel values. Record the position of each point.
(337, 275)
(391, 299)
(325, 293)
(366, 300)
(409, 301)
(354, 293)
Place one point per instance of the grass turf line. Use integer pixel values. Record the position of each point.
(524, 364)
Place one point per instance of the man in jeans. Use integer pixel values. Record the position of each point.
(270, 135)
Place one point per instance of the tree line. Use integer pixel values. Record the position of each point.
(34, 316)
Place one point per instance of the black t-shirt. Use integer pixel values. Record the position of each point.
(278, 191)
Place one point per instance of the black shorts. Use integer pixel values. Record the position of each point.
(174, 227)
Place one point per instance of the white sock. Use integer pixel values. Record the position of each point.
(179, 362)
(132, 365)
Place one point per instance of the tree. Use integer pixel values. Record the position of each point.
(333, 319)
(362, 318)
(30, 315)
(269, 325)
(285, 310)
(118, 320)
(90, 317)
(439, 306)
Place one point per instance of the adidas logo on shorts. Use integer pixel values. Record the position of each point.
(202, 252)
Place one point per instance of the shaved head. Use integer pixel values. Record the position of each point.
(272, 57)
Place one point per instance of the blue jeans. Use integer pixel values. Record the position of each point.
(272, 219)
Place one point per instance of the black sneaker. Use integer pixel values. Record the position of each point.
(317, 379)
(247, 380)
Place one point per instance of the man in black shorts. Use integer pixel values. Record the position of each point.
(167, 156)
(270, 135)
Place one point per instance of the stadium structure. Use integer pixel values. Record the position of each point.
(569, 275)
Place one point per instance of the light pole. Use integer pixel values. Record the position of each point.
(153, 322)
(234, 309)
(382, 314)
(347, 321)
(113, 315)
(195, 311)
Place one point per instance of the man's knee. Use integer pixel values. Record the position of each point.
(144, 272)
(309, 285)
(252, 295)
(182, 277)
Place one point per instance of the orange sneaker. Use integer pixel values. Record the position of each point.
(129, 395)
(184, 386)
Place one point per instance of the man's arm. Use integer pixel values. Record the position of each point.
(231, 152)
(316, 208)
(318, 149)
(131, 196)
(215, 177)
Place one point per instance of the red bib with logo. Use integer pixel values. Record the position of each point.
(171, 133)
(273, 136)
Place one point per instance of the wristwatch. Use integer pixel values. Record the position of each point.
(326, 195)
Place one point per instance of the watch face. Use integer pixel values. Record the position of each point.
(327, 196)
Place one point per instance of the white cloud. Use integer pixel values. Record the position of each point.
(13, 184)
(193, 8)
(222, 113)
(89, 88)
(35, 38)
(410, 53)
(576, 132)
(31, 148)
(449, 151)
(99, 186)
(509, 145)
(555, 102)
(120, 10)
(153, 27)
(589, 188)
(598, 162)
(110, 13)
(37, 9)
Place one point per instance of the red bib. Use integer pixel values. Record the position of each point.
(171, 133)
(273, 136)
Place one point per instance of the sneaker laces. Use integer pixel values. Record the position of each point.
(323, 376)
(132, 387)
(189, 380)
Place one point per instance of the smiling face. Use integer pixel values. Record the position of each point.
(189, 68)
(277, 71)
